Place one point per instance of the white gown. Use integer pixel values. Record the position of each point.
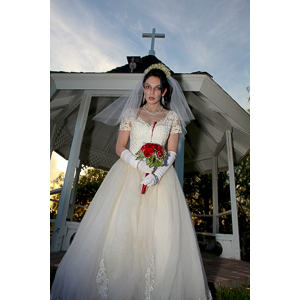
(132, 246)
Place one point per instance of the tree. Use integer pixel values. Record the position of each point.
(242, 176)
(88, 184)
(198, 193)
(248, 90)
(55, 184)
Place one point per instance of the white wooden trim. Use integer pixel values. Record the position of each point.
(188, 148)
(95, 81)
(222, 100)
(215, 193)
(190, 82)
(201, 106)
(220, 145)
(210, 141)
(53, 88)
(204, 156)
(195, 215)
(228, 212)
(234, 214)
(52, 138)
(73, 104)
(56, 191)
(74, 191)
(226, 241)
(117, 81)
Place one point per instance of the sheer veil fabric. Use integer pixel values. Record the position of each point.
(113, 114)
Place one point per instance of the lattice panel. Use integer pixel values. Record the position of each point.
(62, 140)
(97, 161)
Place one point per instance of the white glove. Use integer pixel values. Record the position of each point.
(152, 179)
(130, 159)
(149, 180)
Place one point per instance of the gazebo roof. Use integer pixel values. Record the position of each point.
(214, 110)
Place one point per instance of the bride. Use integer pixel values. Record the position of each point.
(132, 245)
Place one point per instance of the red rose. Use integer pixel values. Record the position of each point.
(148, 149)
(159, 148)
(148, 152)
(159, 153)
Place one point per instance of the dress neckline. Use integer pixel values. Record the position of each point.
(156, 122)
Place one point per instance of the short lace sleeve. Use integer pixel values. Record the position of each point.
(128, 117)
(176, 126)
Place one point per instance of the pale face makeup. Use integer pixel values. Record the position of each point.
(152, 90)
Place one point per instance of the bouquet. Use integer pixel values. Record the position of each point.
(154, 155)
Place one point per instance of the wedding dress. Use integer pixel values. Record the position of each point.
(135, 246)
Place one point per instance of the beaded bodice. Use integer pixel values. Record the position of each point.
(141, 131)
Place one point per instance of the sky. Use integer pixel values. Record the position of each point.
(200, 35)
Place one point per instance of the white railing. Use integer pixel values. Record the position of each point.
(225, 240)
(71, 227)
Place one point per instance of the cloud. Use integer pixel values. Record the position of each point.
(75, 47)
(54, 171)
(211, 36)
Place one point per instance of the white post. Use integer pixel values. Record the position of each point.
(73, 193)
(59, 227)
(215, 194)
(179, 162)
(52, 140)
(234, 212)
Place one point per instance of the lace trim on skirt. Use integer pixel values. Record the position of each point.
(102, 280)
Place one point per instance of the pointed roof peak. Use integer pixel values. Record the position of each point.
(146, 61)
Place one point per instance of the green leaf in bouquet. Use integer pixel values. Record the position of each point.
(151, 162)
(148, 161)
(159, 163)
(140, 156)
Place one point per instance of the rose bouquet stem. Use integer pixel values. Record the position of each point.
(144, 186)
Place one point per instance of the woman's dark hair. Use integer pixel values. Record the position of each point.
(164, 85)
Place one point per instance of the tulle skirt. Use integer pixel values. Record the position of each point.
(133, 246)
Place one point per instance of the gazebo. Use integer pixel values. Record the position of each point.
(216, 140)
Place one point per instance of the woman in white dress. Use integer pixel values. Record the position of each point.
(130, 245)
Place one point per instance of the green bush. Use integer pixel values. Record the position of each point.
(241, 293)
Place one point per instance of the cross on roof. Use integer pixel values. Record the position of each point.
(153, 35)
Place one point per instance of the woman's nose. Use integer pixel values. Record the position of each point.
(152, 91)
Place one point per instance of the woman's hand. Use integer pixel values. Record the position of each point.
(154, 178)
(149, 180)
